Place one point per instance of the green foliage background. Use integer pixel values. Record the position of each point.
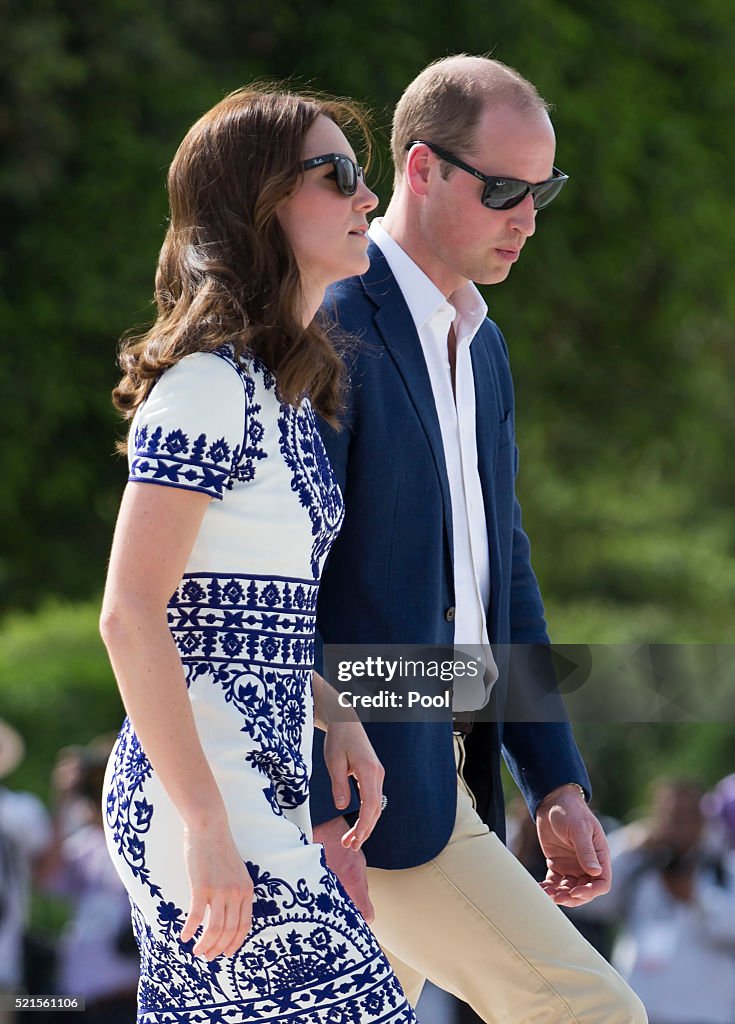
(619, 318)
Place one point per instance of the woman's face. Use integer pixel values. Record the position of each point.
(326, 229)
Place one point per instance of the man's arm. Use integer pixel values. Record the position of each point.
(539, 747)
(538, 744)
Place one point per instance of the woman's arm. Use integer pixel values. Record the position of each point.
(348, 752)
(155, 533)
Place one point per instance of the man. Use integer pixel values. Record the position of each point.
(432, 551)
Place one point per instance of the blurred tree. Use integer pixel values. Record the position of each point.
(90, 95)
(619, 317)
(56, 686)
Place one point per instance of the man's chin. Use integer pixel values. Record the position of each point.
(494, 275)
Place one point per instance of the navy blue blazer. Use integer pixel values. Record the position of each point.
(389, 577)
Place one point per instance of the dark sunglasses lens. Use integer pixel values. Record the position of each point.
(545, 193)
(347, 174)
(504, 195)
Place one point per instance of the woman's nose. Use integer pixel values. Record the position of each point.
(365, 198)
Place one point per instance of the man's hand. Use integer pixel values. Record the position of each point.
(575, 847)
(348, 865)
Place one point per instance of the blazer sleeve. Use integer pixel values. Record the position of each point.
(538, 745)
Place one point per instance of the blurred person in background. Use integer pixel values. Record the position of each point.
(97, 958)
(673, 899)
(25, 836)
(719, 806)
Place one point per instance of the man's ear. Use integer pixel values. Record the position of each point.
(420, 163)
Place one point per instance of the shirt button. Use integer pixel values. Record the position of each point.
(449, 614)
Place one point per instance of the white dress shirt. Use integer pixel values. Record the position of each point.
(434, 314)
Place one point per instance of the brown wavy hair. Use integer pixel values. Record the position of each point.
(226, 272)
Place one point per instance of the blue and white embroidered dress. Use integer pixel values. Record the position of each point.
(243, 621)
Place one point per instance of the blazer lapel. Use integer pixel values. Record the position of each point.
(398, 331)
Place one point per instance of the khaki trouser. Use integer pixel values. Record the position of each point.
(475, 923)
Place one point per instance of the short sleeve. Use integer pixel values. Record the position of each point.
(189, 431)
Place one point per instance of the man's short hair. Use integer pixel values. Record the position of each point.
(445, 102)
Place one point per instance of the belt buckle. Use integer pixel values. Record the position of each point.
(462, 726)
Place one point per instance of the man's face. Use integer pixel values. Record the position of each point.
(465, 240)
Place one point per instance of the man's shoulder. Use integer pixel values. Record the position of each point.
(370, 288)
(347, 302)
(344, 296)
(347, 289)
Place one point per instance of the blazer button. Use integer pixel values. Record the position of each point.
(449, 614)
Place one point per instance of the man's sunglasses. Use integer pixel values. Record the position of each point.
(503, 193)
(346, 172)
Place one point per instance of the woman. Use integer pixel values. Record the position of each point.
(209, 608)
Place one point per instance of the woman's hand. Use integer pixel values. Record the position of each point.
(348, 752)
(221, 885)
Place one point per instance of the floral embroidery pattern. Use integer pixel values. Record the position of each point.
(311, 477)
(308, 958)
(253, 637)
(174, 458)
(252, 448)
(128, 818)
(250, 619)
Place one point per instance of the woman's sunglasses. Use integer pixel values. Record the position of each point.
(347, 173)
(503, 193)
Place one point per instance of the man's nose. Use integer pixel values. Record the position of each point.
(523, 217)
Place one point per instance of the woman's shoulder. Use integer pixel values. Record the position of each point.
(218, 366)
(202, 378)
(203, 392)
(224, 366)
